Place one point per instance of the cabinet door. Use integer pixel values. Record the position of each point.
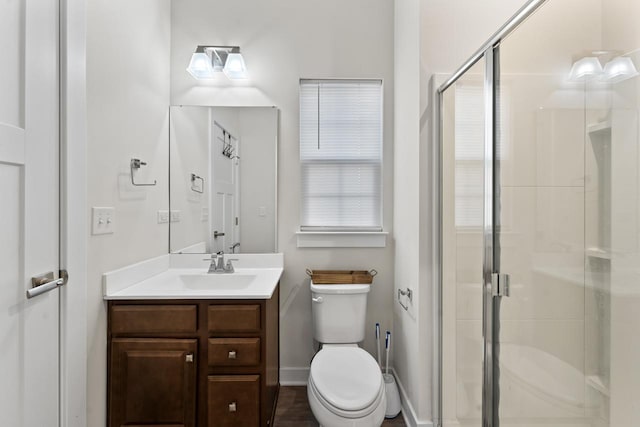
(153, 382)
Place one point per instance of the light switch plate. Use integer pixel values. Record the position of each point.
(175, 216)
(262, 211)
(204, 214)
(163, 217)
(103, 220)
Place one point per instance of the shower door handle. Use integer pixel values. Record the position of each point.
(500, 286)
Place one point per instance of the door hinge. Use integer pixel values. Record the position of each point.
(500, 285)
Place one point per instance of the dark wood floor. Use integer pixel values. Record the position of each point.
(293, 410)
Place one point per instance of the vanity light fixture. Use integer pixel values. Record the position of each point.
(207, 60)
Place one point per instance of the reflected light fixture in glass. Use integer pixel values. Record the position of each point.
(585, 69)
(619, 69)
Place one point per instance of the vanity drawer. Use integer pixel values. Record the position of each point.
(234, 318)
(234, 400)
(140, 319)
(234, 351)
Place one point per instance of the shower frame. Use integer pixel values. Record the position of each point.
(492, 291)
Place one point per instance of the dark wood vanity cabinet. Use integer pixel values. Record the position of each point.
(190, 363)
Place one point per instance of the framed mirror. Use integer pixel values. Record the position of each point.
(223, 179)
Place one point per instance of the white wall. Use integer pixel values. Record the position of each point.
(283, 41)
(128, 97)
(189, 151)
(412, 354)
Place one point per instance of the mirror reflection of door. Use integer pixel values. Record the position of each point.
(233, 193)
(224, 179)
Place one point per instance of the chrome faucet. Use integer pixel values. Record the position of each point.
(220, 264)
(217, 264)
(212, 265)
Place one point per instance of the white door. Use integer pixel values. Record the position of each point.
(29, 219)
(224, 180)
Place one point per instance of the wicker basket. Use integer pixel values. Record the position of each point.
(339, 277)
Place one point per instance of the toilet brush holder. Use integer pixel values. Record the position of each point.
(393, 396)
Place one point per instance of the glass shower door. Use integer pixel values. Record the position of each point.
(540, 200)
(540, 190)
(462, 168)
(568, 215)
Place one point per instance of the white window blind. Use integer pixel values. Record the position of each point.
(469, 154)
(341, 154)
(469, 149)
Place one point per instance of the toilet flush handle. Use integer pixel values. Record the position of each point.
(317, 300)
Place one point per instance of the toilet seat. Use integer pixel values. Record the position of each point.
(347, 381)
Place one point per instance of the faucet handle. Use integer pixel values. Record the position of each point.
(229, 266)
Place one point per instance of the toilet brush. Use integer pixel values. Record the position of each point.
(387, 344)
(390, 386)
(378, 344)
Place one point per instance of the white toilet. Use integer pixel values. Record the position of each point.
(345, 387)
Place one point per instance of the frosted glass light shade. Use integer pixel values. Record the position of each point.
(585, 69)
(200, 66)
(619, 69)
(234, 67)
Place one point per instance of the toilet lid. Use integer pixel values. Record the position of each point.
(346, 377)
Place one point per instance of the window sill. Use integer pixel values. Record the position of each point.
(342, 239)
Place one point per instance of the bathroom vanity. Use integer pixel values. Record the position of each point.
(186, 348)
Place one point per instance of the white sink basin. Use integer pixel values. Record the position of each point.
(182, 276)
(226, 282)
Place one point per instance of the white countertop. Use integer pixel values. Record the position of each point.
(183, 276)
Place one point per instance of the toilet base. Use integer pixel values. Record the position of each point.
(326, 418)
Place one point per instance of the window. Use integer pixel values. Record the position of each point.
(341, 155)
(469, 154)
(469, 149)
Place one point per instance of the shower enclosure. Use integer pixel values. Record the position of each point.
(540, 222)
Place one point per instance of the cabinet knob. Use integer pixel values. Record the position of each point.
(232, 354)
(232, 407)
(189, 358)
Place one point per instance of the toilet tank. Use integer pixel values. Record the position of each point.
(339, 313)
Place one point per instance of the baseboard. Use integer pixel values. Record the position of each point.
(294, 376)
(408, 413)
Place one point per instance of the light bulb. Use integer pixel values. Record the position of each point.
(235, 68)
(200, 66)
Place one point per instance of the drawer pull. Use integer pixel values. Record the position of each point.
(232, 407)
(232, 354)
(189, 358)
